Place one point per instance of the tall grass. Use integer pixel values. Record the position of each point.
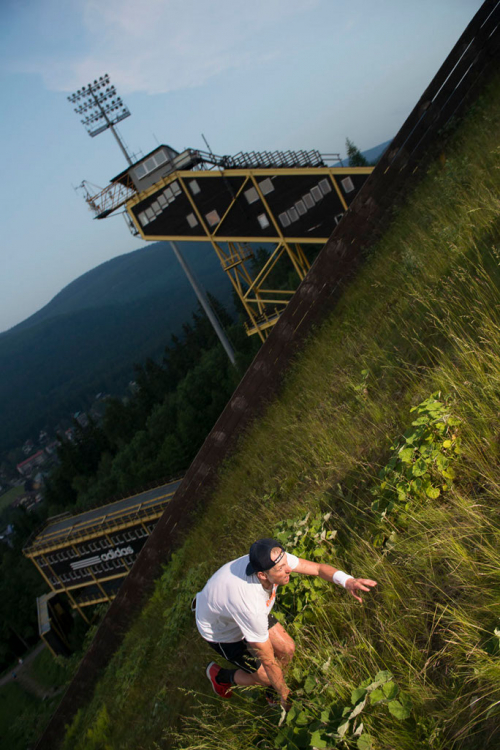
(423, 316)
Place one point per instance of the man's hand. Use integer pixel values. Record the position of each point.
(359, 584)
(265, 652)
(285, 699)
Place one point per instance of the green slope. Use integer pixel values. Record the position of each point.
(421, 318)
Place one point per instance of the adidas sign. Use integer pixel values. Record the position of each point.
(117, 553)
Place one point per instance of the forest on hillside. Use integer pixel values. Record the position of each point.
(152, 435)
(155, 433)
(55, 362)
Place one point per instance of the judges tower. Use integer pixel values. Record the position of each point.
(286, 200)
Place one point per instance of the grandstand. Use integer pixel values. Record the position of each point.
(87, 556)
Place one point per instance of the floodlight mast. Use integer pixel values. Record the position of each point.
(101, 104)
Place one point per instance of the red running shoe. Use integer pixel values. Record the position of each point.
(222, 689)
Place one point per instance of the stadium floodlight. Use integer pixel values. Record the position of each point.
(102, 107)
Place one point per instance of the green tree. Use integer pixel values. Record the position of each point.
(20, 584)
(356, 158)
(157, 431)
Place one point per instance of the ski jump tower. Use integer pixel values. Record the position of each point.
(288, 200)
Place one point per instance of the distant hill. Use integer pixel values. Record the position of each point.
(372, 155)
(131, 277)
(87, 338)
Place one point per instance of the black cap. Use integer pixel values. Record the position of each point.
(260, 555)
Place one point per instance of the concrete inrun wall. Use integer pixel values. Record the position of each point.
(456, 85)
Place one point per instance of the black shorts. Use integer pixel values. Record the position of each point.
(238, 653)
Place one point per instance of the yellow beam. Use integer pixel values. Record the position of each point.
(122, 511)
(35, 551)
(269, 239)
(72, 600)
(48, 646)
(97, 600)
(339, 193)
(251, 291)
(217, 173)
(86, 584)
(235, 198)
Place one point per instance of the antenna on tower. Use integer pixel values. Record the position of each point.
(207, 145)
(105, 109)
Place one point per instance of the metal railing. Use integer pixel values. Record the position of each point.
(105, 523)
(109, 199)
(117, 194)
(264, 320)
(267, 159)
(30, 543)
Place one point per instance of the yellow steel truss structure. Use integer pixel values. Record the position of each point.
(262, 303)
(81, 531)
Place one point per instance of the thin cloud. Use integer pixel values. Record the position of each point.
(159, 46)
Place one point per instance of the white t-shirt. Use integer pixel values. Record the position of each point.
(233, 606)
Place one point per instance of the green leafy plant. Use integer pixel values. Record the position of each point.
(361, 388)
(421, 467)
(315, 722)
(310, 538)
(97, 737)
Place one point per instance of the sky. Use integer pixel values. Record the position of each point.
(249, 74)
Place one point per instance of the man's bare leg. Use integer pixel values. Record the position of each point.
(251, 678)
(284, 648)
(283, 644)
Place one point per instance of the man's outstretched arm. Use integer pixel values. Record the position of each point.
(327, 572)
